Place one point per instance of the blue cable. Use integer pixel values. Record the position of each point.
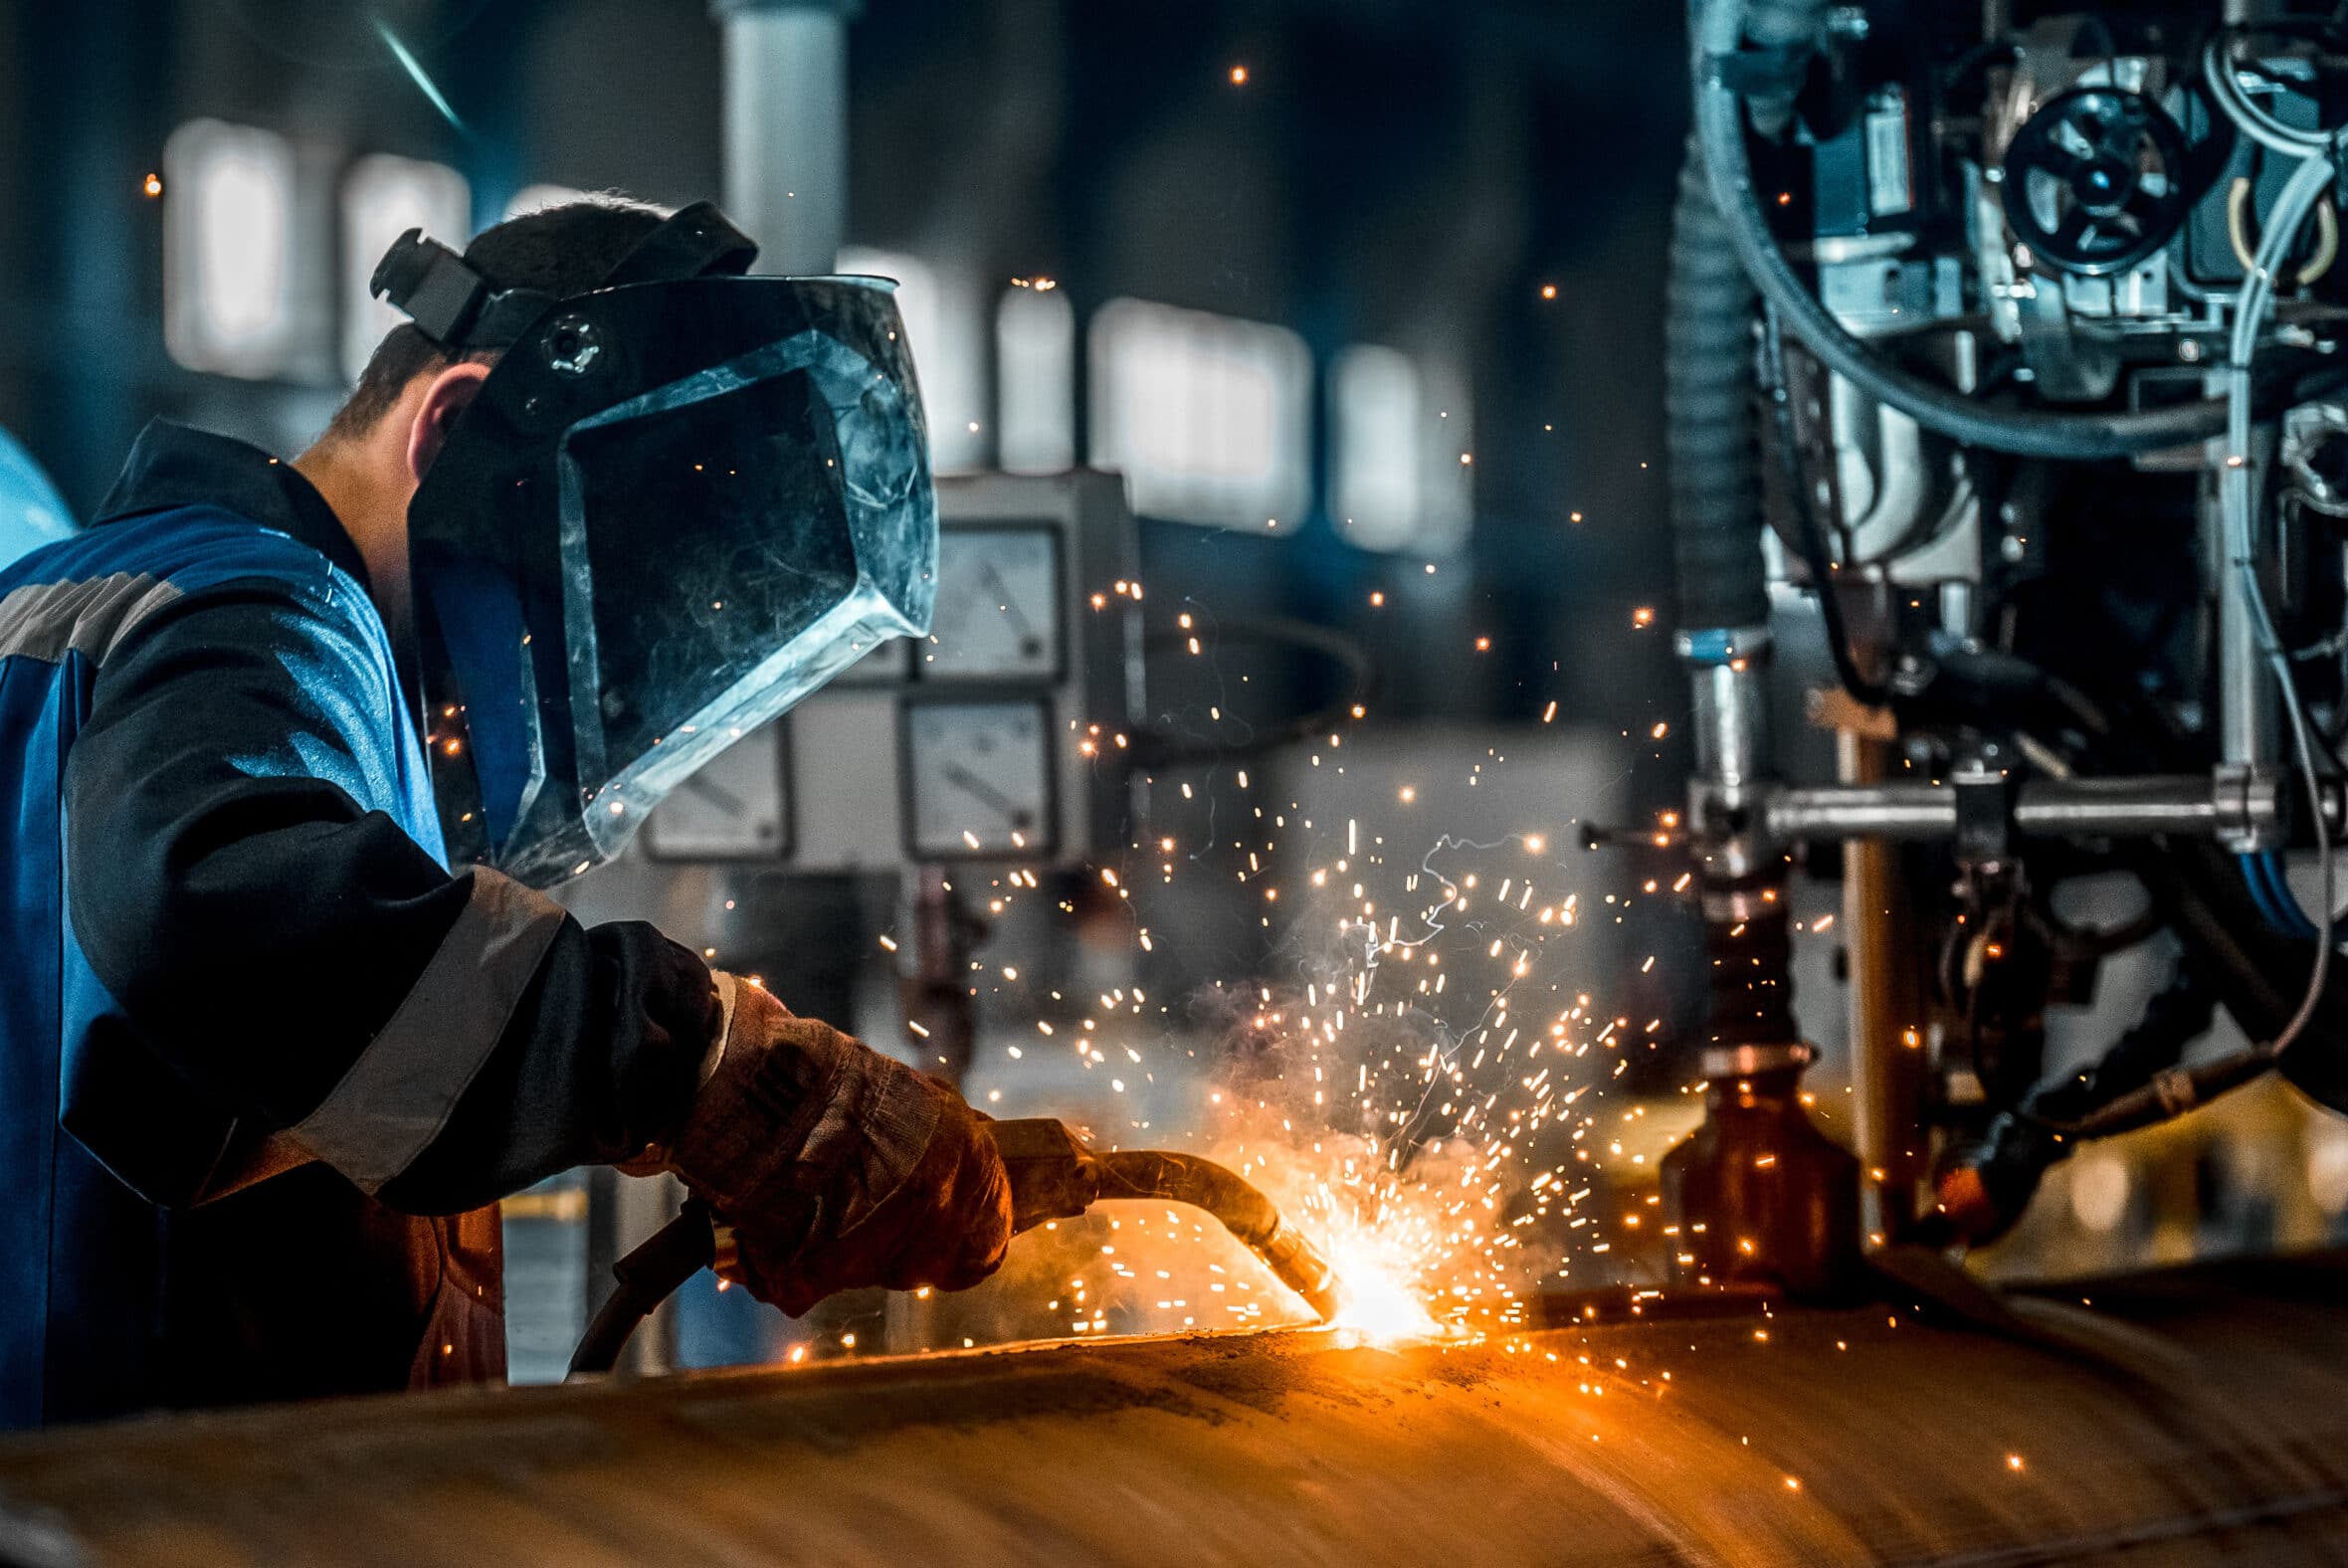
(2280, 909)
(2270, 892)
(2253, 879)
(2254, 882)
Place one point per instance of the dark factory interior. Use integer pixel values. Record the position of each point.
(1309, 781)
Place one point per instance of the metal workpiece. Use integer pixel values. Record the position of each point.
(1865, 1436)
(2222, 805)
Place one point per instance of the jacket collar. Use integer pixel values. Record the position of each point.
(174, 464)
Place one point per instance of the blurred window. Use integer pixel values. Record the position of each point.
(1396, 479)
(382, 198)
(1207, 415)
(1035, 381)
(946, 330)
(229, 262)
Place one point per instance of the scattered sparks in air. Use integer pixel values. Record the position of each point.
(152, 184)
(1420, 1076)
(1239, 75)
(1548, 291)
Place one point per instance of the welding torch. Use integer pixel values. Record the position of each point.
(1053, 1176)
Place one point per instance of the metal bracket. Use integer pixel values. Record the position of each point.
(1984, 812)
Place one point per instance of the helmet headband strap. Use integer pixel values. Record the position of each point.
(459, 309)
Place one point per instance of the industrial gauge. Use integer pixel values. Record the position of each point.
(999, 606)
(735, 808)
(1036, 637)
(978, 779)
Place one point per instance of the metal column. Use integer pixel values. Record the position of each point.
(1886, 1056)
(786, 127)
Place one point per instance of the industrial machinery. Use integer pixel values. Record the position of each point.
(2004, 358)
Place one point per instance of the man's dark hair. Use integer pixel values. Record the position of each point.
(561, 250)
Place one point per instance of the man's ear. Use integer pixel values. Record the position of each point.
(449, 395)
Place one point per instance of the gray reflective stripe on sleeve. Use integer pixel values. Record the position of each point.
(398, 1094)
(44, 620)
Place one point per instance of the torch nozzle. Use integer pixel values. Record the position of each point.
(1053, 1176)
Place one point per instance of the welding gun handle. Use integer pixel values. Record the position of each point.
(1052, 1175)
(648, 1277)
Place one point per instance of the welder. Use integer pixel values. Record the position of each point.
(289, 751)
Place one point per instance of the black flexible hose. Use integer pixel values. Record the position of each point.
(641, 1280)
(1721, 30)
(2022, 1144)
(1709, 434)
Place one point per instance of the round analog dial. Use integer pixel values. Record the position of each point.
(998, 606)
(979, 779)
(735, 808)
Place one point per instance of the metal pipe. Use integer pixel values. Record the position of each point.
(2249, 712)
(2207, 1430)
(786, 129)
(2206, 805)
(1730, 722)
(1887, 1067)
(1727, 673)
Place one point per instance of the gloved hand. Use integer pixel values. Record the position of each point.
(836, 1166)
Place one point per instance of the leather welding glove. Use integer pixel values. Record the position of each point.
(836, 1166)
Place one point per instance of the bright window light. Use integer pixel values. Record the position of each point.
(228, 249)
(1398, 482)
(945, 329)
(1374, 426)
(1035, 381)
(383, 197)
(1206, 416)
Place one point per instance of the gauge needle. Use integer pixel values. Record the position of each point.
(977, 788)
(1010, 604)
(724, 800)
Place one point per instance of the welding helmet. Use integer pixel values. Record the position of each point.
(680, 503)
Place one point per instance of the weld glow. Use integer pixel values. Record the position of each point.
(1382, 1306)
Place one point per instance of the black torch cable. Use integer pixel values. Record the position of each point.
(1817, 554)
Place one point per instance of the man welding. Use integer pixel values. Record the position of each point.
(286, 750)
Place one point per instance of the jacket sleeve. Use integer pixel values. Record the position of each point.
(275, 936)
